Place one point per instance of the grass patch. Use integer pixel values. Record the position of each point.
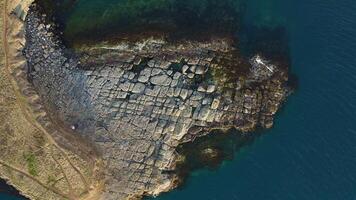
(31, 164)
(51, 180)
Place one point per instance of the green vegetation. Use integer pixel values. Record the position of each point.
(31, 164)
(228, 72)
(51, 180)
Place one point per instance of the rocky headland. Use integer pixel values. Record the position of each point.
(126, 107)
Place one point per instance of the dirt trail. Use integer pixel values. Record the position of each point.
(30, 116)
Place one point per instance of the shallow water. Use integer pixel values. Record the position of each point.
(87, 20)
(310, 152)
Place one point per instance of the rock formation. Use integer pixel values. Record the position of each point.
(134, 102)
(138, 101)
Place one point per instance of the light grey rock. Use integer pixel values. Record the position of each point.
(193, 61)
(215, 104)
(163, 80)
(138, 88)
(201, 89)
(210, 89)
(196, 96)
(204, 113)
(184, 94)
(169, 72)
(164, 64)
(151, 63)
(121, 95)
(177, 92)
(177, 75)
(174, 83)
(153, 92)
(125, 86)
(211, 116)
(143, 79)
(190, 75)
(200, 70)
(156, 71)
(192, 68)
(131, 75)
(170, 92)
(185, 69)
(145, 75)
(187, 113)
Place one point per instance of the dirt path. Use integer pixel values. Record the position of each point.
(36, 180)
(27, 112)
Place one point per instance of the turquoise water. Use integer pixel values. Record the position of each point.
(310, 154)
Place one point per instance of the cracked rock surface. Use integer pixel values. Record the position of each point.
(137, 101)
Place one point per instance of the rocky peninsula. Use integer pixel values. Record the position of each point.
(121, 110)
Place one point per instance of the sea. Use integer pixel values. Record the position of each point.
(310, 153)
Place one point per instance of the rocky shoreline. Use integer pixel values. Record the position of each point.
(9, 190)
(137, 101)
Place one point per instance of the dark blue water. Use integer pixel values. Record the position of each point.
(8, 193)
(310, 154)
(9, 197)
(4, 196)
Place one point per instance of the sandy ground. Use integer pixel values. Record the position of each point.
(30, 159)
